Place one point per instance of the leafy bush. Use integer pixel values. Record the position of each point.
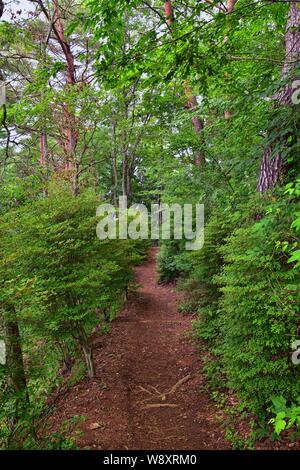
(172, 260)
(244, 284)
(202, 292)
(285, 416)
(58, 281)
(260, 303)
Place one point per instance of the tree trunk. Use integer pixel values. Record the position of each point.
(126, 184)
(272, 165)
(16, 377)
(198, 124)
(75, 179)
(89, 360)
(44, 160)
(59, 32)
(230, 5)
(270, 169)
(126, 174)
(43, 149)
(169, 13)
(115, 163)
(69, 131)
(87, 352)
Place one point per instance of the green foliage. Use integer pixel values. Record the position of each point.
(172, 261)
(294, 191)
(202, 291)
(53, 243)
(62, 282)
(124, 113)
(245, 287)
(260, 304)
(286, 416)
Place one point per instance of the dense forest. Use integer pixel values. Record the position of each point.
(162, 102)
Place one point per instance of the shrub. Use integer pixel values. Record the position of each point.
(260, 303)
(57, 282)
(202, 292)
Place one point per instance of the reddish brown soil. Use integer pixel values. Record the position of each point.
(147, 352)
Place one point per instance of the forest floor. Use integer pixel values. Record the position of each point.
(150, 391)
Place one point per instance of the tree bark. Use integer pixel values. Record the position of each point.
(169, 13)
(230, 5)
(126, 176)
(16, 379)
(270, 169)
(14, 356)
(44, 160)
(69, 131)
(272, 165)
(59, 32)
(87, 352)
(114, 163)
(198, 124)
(88, 355)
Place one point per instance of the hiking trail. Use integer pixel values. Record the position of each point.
(149, 393)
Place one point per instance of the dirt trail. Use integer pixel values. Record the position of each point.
(149, 394)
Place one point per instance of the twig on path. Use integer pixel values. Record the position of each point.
(145, 390)
(172, 390)
(160, 405)
(180, 382)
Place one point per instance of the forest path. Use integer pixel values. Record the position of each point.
(150, 391)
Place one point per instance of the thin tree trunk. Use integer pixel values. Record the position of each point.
(198, 124)
(87, 352)
(126, 175)
(66, 356)
(44, 159)
(129, 176)
(75, 178)
(88, 356)
(272, 165)
(43, 149)
(114, 163)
